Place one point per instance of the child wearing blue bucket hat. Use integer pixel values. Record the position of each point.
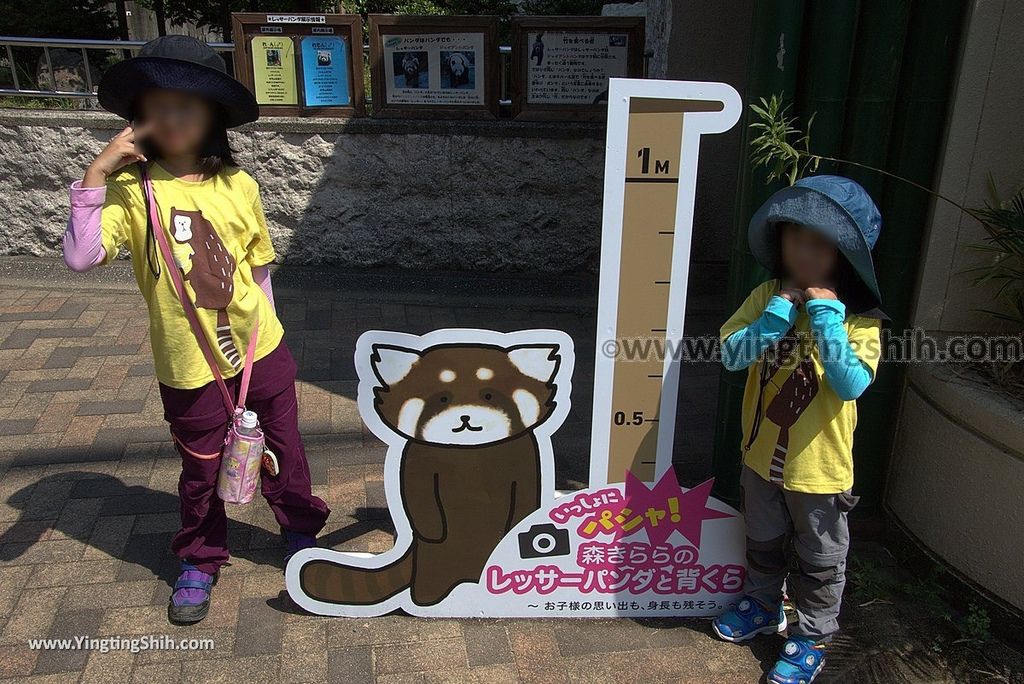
(809, 338)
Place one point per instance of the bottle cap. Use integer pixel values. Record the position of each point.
(249, 419)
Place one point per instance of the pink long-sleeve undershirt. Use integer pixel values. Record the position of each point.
(261, 276)
(83, 238)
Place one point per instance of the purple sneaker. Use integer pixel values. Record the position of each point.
(296, 541)
(190, 601)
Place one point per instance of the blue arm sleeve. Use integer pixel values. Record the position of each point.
(846, 373)
(745, 346)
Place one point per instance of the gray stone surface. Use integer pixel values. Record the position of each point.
(487, 196)
(658, 22)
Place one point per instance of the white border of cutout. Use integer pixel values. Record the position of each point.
(393, 459)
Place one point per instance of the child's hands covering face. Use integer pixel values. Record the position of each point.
(793, 294)
(820, 293)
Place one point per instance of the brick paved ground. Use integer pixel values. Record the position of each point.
(87, 506)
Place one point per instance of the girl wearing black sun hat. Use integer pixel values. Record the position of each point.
(167, 189)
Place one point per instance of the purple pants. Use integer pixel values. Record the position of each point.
(199, 419)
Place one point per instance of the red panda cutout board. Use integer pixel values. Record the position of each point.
(468, 417)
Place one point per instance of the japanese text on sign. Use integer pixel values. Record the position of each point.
(574, 67)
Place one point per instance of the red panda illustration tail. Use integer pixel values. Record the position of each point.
(778, 463)
(331, 582)
(224, 341)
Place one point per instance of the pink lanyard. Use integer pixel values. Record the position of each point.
(190, 310)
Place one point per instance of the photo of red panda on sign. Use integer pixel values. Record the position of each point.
(469, 427)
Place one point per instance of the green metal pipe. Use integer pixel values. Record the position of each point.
(828, 45)
(771, 69)
(918, 128)
(878, 54)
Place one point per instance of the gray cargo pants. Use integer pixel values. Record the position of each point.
(818, 527)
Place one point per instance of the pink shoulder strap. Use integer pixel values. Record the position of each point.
(190, 311)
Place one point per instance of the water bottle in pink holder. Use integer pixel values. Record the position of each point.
(241, 459)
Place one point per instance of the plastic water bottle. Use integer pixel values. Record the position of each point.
(249, 425)
(240, 463)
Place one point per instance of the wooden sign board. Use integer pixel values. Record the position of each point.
(301, 64)
(434, 67)
(561, 65)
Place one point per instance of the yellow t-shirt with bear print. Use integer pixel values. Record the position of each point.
(796, 430)
(217, 233)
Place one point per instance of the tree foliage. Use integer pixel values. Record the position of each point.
(217, 13)
(489, 7)
(58, 19)
(502, 8)
(562, 7)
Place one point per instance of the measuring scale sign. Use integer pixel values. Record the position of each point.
(480, 530)
(654, 130)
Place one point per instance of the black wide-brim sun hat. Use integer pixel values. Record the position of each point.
(176, 63)
(838, 208)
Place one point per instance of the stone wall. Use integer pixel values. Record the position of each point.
(480, 196)
(710, 41)
(957, 466)
(984, 147)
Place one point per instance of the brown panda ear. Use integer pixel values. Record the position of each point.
(391, 364)
(539, 361)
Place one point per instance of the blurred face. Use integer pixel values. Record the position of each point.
(808, 258)
(180, 121)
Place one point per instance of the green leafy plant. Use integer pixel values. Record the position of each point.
(772, 147)
(1003, 270)
(1003, 222)
(872, 581)
(976, 624)
(784, 150)
(927, 593)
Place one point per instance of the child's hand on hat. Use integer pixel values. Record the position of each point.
(820, 293)
(122, 150)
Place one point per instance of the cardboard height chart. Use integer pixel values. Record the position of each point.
(301, 64)
(561, 65)
(468, 416)
(434, 67)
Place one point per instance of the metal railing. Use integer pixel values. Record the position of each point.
(9, 43)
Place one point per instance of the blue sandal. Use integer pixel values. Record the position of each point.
(799, 663)
(748, 619)
(190, 600)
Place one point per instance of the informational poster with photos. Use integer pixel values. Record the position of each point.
(573, 67)
(273, 66)
(434, 69)
(324, 71)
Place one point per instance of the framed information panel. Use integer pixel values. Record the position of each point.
(301, 64)
(561, 65)
(434, 67)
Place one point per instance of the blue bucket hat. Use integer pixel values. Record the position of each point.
(838, 208)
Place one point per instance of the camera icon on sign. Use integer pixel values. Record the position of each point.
(542, 541)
